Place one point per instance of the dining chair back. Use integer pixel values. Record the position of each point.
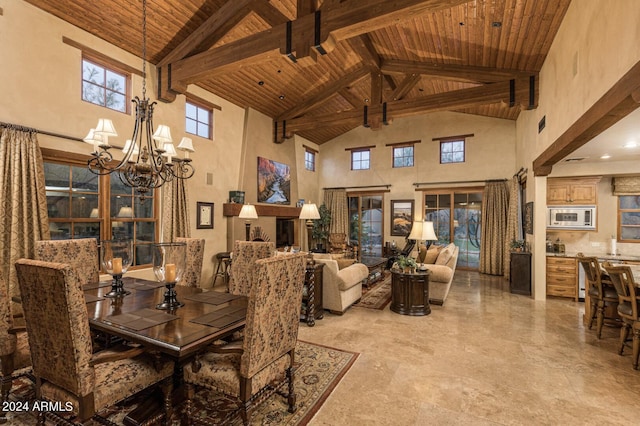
(622, 278)
(81, 253)
(600, 289)
(195, 254)
(64, 364)
(263, 362)
(245, 254)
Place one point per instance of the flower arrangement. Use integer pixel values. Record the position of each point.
(518, 245)
(406, 262)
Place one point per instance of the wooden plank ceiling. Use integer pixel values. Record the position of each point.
(405, 57)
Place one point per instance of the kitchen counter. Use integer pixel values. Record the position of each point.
(602, 256)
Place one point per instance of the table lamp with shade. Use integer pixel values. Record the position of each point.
(423, 231)
(309, 213)
(249, 213)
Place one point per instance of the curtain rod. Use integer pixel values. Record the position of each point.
(43, 132)
(521, 171)
(416, 184)
(363, 186)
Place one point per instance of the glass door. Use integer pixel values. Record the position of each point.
(366, 223)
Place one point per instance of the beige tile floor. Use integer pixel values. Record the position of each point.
(485, 358)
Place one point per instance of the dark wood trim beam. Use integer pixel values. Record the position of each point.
(464, 98)
(305, 7)
(360, 148)
(407, 143)
(349, 19)
(324, 94)
(269, 13)
(405, 87)
(452, 72)
(617, 103)
(233, 209)
(453, 138)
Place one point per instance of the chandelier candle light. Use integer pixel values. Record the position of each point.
(149, 158)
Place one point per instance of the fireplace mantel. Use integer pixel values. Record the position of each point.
(233, 209)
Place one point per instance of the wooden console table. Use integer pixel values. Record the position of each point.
(312, 295)
(410, 293)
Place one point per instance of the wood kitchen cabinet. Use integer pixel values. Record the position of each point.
(582, 191)
(562, 277)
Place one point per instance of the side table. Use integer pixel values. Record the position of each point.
(312, 295)
(410, 293)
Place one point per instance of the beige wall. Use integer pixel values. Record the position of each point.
(491, 136)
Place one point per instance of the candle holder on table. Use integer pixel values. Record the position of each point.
(169, 260)
(116, 259)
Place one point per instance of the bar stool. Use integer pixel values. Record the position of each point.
(223, 259)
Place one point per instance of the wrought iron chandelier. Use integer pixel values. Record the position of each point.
(149, 159)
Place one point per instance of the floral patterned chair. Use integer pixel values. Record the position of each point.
(245, 253)
(195, 254)
(14, 345)
(81, 253)
(245, 369)
(64, 365)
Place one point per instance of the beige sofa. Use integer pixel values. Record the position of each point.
(341, 288)
(441, 262)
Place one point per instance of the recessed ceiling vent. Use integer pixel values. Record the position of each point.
(574, 159)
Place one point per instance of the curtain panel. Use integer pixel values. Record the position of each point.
(514, 223)
(336, 202)
(23, 217)
(494, 227)
(175, 214)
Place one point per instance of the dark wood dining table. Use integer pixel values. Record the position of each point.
(205, 317)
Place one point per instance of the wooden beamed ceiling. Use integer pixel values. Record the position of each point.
(313, 65)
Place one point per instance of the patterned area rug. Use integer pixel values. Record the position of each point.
(377, 296)
(318, 370)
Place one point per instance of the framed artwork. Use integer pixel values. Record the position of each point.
(274, 182)
(528, 218)
(401, 217)
(204, 215)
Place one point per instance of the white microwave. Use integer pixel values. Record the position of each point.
(571, 217)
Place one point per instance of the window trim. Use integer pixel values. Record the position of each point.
(453, 140)
(202, 104)
(112, 66)
(402, 146)
(620, 211)
(353, 151)
(313, 153)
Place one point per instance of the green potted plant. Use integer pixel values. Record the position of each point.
(320, 230)
(518, 245)
(406, 263)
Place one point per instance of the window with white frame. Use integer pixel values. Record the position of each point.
(360, 159)
(104, 85)
(403, 156)
(452, 151)
(199, 119)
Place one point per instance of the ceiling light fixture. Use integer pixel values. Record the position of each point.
(605, 156)
(148, 160)
(631, 145)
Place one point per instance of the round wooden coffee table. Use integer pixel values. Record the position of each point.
(410, 293)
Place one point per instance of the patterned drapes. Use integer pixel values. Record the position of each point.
(494, 227)
(336, 202)
(175, 215)
(514, 223)
(23, 216)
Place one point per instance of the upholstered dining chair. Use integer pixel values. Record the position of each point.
(262, 362)
(625, 285)
(64, 365)
(600, 290)
(81, 253)
(195, 254)
(14, 345)
(245, 253)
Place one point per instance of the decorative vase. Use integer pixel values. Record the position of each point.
(116, 257)
(169, 261)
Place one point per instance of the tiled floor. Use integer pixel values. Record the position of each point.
(485, 358)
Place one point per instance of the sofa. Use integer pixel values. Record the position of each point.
(341, 286)
(441, 262)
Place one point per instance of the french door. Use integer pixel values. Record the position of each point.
(456, 217)
(366, 212)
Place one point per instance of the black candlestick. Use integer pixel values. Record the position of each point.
(170, 298)
(117, 287)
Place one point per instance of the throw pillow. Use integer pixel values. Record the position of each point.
(343, 263)
(445, 255)
(432, 254)
(422, 254)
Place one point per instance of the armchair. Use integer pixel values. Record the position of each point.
(64, 364)
(246, 369)
(341, 288)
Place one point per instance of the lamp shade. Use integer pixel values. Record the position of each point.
(186, 144)
(105, 128)
(422, 231)
(248, 212)
(162, 134)
(127, 146)
(125, 212)
(169, 150)
(309, 211)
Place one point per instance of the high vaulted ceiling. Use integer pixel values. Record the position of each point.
(315, 76)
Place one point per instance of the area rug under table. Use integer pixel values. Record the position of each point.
(378, 295)
(318, 370)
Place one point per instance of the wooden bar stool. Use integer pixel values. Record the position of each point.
(223, 259)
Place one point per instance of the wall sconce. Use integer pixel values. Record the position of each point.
(248, 213)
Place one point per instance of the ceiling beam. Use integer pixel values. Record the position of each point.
(465, 98)
(324, 94)
(346, 20)
(351, 98)
(617, 103)
(268, 12)
(464, 73)
(405, 86)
